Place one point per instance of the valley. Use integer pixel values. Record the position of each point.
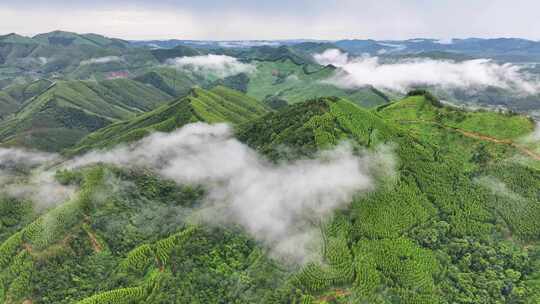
(188, 172)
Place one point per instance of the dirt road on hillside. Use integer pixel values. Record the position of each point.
(534, 155)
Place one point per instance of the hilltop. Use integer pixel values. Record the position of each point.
(438, 229)
(65, 39)
(60, 115)
(219, 104)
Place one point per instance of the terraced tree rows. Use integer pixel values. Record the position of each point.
(451, 219)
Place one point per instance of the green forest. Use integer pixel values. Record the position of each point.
(450, 215)
(457, 224)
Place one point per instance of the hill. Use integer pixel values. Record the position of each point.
(443, 208)
(268, 53)
(67, 56)
(456, 222)
(287, 80)
(15, 38)
(58, 117)
(68, 39)
(173, 81)
(13, 97)
(219, 104)
(503, 49)
(163, 55)
(287, 74)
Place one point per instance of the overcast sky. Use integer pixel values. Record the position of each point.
(276, 19)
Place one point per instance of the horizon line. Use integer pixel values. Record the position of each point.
(31, 36)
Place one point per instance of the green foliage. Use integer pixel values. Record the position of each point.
(435, 198)
(140, 258)
(18, 274)
(58, 117)
(163, 55)
(288, 128)
(164, 247)
(118, 296)
(411, 268)
(427, 95)
(388, 214)
(237, 82)
(14, 215)
(69, 177)
(456, 222)
(296, 81)
(217, 105)
(276, 103)
(173, 81)
(514, 194)
(414, 111)
(9, 248)
(337, 269)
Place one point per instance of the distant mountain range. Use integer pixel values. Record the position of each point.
(287, 72)
(508, 49)
(502, 49)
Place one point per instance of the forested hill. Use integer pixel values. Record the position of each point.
(57, 116)
(457, 222)
(219, 104)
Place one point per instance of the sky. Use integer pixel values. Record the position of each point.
(276, 19)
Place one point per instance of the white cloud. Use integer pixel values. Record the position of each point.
(332, 56)
(247, 43)
(219, 65)
(498, 187)
(23, 176)
(281, 205)
(42, 189)
(19, 157)
(404, 74)
(390, 48)
(533, 137)
(101, 60)
(278, 204)
(292, 78)
(445, 41)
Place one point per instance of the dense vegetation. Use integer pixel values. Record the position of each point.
(454, 220)
(293, 82)
(57, 117)
(457, 223)
(217, 105)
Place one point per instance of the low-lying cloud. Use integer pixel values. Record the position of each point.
(11, 158)
(279, 204)
(535, 135)
(247, 44)
(23, 176)
(404, 74)
(498, 187)
(332, 56)
(101, 60)
(220, 65)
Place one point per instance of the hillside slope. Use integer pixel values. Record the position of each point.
(219, 104)
(453, 218)
(457, 201)
(287, 80)
(13, 97)
(173, 81)
(68, 39)
(68, 110)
